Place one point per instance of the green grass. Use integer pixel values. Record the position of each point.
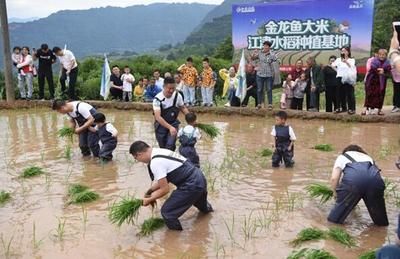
(368, 255)
(4, 197)
(308, 234)
(81, 194)
(150, 225)
(32, 171)
(307, 253)
(76, 188)
(126, 210)
(341, 236)
(318, 190)
(324, 147)
(66, 132)
(209, 130)
(266, 152)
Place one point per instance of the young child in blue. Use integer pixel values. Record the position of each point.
(188, 137)
(107, 134)
(283, 137)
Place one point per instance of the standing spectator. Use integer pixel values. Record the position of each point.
(347, 77)
(69, 68)
(314, 85)
(231, 83)
(207, 83)
(330, 81)
(178, 82)
(127, 80)
(287, 95)
(16, 57)
(300, 85)
(394, 56)
(265, 73)
(46, 60)
(298, 70)
(116, 84)
(151, 91)
(375, 84)
(159, 81)
(139, 90)
(368, 64)
(189, 77)
(251, 85)
(26, 74)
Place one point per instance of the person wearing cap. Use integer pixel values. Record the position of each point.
(46, 59)
(107, 134)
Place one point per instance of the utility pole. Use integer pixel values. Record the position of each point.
(6, 52)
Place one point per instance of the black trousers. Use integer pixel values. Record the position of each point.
(330, 98)
(73, 76)
(116, 93)
(282, 153)
(251, 93)
(308, 99)
(396, 94)
(297, 104)
(350, 98)
(340, 96)
(48, 75)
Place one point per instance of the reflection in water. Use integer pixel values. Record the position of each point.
(243, 185)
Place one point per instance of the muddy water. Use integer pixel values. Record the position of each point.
(258, 210)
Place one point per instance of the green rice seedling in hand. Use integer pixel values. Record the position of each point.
(341, 236)
(66, 132)
(4, 197)
(126, 210)
(307, 253)
(209, 130)
(308, 234)
(318, 190)
(324, 147)
(32, 171)
(368, 255)
(150, 225)
(266, 152)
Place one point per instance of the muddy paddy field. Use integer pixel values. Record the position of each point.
(258, 210)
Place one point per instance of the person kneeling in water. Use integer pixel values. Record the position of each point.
(166, 166)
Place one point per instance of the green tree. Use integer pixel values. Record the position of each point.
(225, 49)
(386, 11)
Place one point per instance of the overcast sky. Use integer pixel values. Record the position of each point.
(43, 8)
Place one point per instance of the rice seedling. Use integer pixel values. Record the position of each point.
(76, 188)
(368, 255)
(60, 231)
(6, 244)
(209, 130)
(341, 236)
(150, 225)
(83, 197)
(307, 253)
(68, 152)
(318, 190)
(266, 152)
(249, 226)
(324, 147)
(32, 171)
(308, 234)
(66, 132)
(126, 210)
(4, 197)
(36, 243)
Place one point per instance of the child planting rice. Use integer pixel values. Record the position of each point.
(283, 138)
(188, 137)
(107, 134)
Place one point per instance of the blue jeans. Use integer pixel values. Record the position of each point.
(189, 94)
(388, 252)
(264, 83)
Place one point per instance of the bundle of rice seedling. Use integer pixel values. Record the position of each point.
(4, 197)
(341, 236)
(368, 255)
(150, 225)
(266, 152)
(324, 147)
(209, 129)
(126, 210)
(81, 194)
(308, 234)
(66, 132)
(307, 253)
(318, 190)
(32, 171)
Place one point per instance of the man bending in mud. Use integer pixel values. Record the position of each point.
(166, 166)
(81, 118)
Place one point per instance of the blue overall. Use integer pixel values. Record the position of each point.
(191, 189)
(282, 142)
(88, 141)
(390, 251)
(109, 143)
(361, 180)
(170, 115)
(188, 150)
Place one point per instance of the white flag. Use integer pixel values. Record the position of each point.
(242, 88)
(105, 79)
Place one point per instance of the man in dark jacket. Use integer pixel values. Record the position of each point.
(46, 60)
(251, 85)
(314, 85)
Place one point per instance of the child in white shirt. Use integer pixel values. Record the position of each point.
(128, 80)
(188, 137)
(287, 95)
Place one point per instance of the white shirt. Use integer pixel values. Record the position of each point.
(167, 102)
(127, 86)
(342, 67)
(68, 59)
(109, 127)
(342, 161)
(190, 131)
(84, 109)
(160, 83)
(291, 133)
(160, 167)
(25, 61)
(179, 86)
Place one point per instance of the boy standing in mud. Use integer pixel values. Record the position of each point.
(188, 137)
(283, 141)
